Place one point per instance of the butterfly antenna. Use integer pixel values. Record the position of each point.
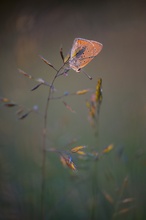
(89, 77)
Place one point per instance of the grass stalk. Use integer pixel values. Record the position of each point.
(43, 172)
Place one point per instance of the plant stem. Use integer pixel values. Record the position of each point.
(44, 143)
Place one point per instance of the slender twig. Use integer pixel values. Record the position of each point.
(44, 142)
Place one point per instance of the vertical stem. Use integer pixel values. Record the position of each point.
(44, 144)
(94, 191)
(44, 157)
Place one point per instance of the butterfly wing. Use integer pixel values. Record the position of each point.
(82, 52)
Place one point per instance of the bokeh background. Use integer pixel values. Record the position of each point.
(30, 28)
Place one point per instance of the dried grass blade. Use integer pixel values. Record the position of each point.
(37, 86)
(61, 53)
(108, 197)
(82, 92)
(75, 149)
(47, 62)
(3, 99)
(25, 74)
(68, 107)
(10, 104)
(24, 116)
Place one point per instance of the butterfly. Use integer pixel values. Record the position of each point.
(82, 52)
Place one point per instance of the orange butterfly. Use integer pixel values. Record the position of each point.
(82, 52)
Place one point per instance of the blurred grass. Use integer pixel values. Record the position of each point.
(29, 31)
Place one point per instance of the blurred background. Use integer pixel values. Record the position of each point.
(112, 187)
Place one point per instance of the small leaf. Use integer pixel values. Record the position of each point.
(47, 62)
(92, 111)
(82, 92)
(63, 161)
(98, 94)
(24, 116)
(40, 80)
(66, 59)
(81, 152)
(37, 86)
(20, 110)
(61, 53)
(72, 166)
(108, 197)
(10, 104)
(108, 148)
(75, 149)
(127, 200)
(67, 161)
(68, 107)
(25, 74)
(3, 99)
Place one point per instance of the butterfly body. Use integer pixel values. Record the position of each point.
(82, 52)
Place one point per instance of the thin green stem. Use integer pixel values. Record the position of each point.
(44, 143)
